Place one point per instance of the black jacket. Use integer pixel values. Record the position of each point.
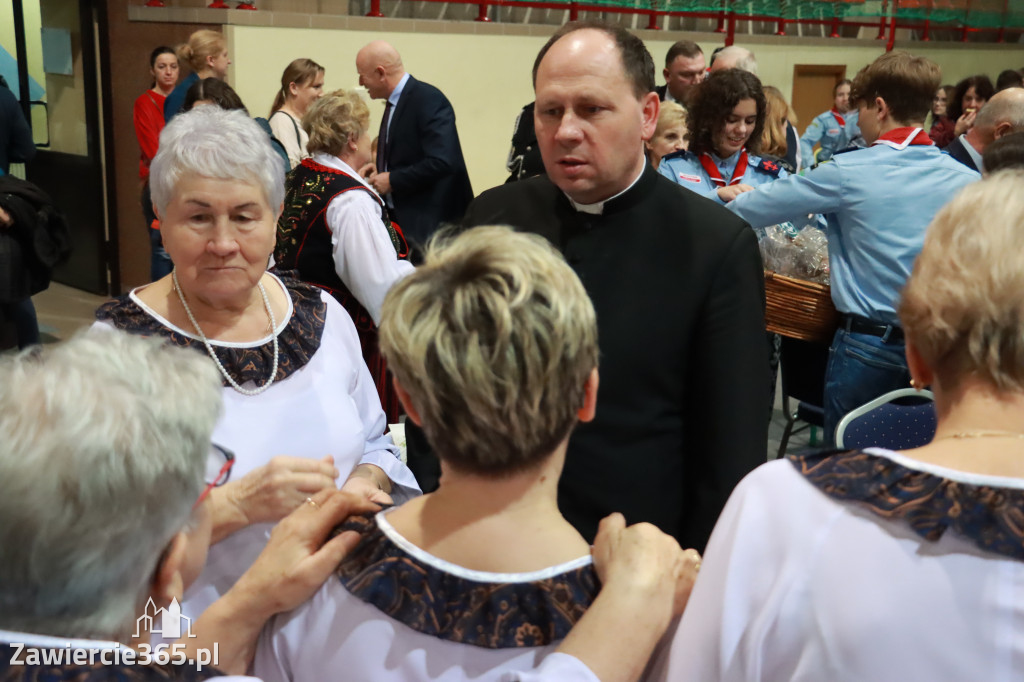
(678, 286)
(429, 181)
(38, 240)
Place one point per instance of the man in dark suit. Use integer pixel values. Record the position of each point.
(1001, 115)
(420, 169)
(677, 284)
(684, 68)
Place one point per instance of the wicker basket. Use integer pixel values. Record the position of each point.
(799, 309)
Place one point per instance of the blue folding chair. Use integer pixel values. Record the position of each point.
(898, 420)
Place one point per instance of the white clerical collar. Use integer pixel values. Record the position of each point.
(598, 208)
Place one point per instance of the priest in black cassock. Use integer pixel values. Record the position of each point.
(678, 287)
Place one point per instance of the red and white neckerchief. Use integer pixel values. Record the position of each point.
(839, 117)
(716, 177)
(901, 138)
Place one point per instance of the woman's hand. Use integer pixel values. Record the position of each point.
(645, 562)
(290, 569)
(269, 493)
(5, 218)
(369, 482)
(964, 123)
(645, 581)
(367, 170)
(730, 192)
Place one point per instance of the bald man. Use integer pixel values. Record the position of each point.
(420, 169)
(1001, 115)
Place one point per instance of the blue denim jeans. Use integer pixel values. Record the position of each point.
(861, 367)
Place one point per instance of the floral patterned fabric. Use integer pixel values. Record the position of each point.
(297, 343)
(457, 609)
(990, 517)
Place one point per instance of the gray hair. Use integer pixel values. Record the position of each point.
(738, 58)
(214, 143)
(493, 337)
(104, 441)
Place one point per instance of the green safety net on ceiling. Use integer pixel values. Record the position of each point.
(941, 13)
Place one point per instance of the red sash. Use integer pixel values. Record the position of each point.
(716, 177)
(901, 138)
(839, 117)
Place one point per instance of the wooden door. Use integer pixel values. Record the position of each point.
(812, 89)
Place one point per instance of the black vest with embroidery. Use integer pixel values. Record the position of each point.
(304, 239)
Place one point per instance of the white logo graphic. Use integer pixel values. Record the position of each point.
(170, 626)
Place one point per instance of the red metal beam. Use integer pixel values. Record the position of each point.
(374, 9)
(892, 26)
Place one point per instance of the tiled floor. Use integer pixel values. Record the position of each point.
(63, 310)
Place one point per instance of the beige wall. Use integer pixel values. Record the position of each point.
(487, 77)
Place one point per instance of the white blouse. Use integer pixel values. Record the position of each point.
(329, 406)
(798, 586)
(337, 635)
(288, 131)
(364, 256)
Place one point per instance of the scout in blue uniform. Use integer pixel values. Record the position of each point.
(877, 203)
(726, 123)
(833, 130)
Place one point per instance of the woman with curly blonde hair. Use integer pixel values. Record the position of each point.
(335, 229)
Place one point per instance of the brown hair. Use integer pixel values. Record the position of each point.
(906, 83)
(636, 60)
(301, 71)
(715, 99)
(201, 44)
(682, 48)
(216, 91)
(983, 88)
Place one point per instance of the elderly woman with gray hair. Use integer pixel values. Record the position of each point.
(875, 564)
(103, 445)
(493, 344)
(335, 230)
(300, 409)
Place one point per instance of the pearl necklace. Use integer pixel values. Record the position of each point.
(209, 348)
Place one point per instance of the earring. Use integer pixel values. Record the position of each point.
(913, 385)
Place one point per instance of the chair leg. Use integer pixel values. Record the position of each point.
(786, 433)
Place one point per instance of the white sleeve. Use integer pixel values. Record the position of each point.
(283, 127)
(744, 620)
(364, 256)
(379, 450)
(555, 668)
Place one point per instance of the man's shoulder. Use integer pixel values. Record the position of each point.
(513, 200)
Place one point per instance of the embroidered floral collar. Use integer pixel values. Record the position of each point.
(299, 340)
(493, 615)
(991, 517)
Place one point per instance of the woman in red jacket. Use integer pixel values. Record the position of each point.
(149, 121)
